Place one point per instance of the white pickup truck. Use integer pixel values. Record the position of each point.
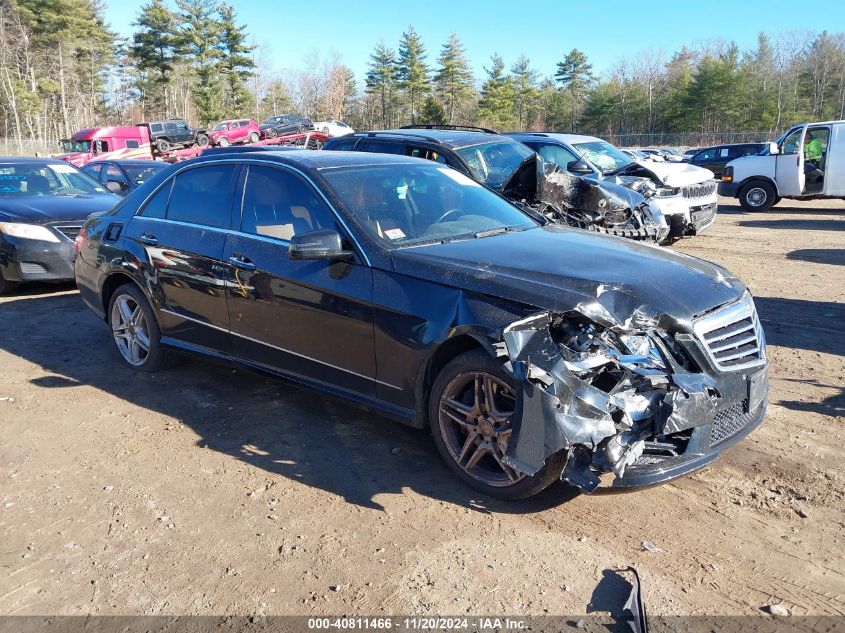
(685, 195)
(807, 161)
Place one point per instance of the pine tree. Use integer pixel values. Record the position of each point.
(235, 65)
(527, 94)
(381, 81)
(575, 74)
(453, 79)
(432, 112)
(200, 34)
(411, 70)
(155, 46)
(496, 106)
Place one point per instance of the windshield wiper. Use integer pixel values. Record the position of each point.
(497, 231)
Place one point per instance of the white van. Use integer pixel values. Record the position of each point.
(783, 171)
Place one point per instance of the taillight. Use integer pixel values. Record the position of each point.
(80, 237)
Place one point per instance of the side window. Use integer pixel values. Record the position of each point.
(93, 170)
(792, 143)
(156, 206)
(113, 173)
(203, 195)
(725, 152)
(243, 123)
(155, 128)
(101, 147)
(280, 204)
(428, 154)
(132, 144)
(380, 147)
(344, 145)
(554, 153)
(708, 154)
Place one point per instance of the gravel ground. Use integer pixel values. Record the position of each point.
(209, 490)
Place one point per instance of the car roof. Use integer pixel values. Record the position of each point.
(31, 159)
(323, 159)
(129, 161)
(450, 138)
(558, 136)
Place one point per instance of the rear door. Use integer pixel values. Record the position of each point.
(789, 163)
(182, 229)
(310, 318)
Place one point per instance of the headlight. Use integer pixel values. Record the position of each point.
(28, 231)
(667, 192)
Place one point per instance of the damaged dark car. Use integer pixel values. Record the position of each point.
(532, 351)
(511, 169)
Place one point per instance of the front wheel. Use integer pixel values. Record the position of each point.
(162, 145)
(224, 142)
(135, 330)
(6, 286)
(202, 140)
(253, 137)
(471, 411)
(757, 195)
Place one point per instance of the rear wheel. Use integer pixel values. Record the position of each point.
(135, 330)
(253, 137)
(471, 411)
(162, 145)
(224, 142)
(757, 195)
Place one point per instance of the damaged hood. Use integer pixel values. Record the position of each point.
(669, 174)
(556, 268)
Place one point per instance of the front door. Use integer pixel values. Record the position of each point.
(310, 318)
(183, 231)
(789, 164)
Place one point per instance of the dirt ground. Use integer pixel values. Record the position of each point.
(208, 490)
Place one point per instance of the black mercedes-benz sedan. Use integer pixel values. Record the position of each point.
(43, 204)
(533, 352)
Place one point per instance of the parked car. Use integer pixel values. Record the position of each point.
(806, 160)
(684, 194)
(691, 152)
(652, 154)
(282, 124)
(123, 176)
(234, 131)
(173, 133)
(716, 158)
(333, 127)
(672, 155)
(512, 170)
(43, 204)
(533, 352)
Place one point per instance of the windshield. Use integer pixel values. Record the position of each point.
(44, 179)
(75, 146)
(493, 164)
(404, 205)
(142, 173)
(219, 126)
(603, 155)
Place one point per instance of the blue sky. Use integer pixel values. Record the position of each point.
(545, 30)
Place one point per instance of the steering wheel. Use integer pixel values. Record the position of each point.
(446, 215)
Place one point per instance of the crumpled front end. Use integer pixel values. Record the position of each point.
(603, 206)
(637, 400)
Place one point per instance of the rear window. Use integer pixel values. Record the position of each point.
(203, 195)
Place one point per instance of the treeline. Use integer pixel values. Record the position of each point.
(62, 69)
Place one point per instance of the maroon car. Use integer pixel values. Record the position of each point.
(234, 131)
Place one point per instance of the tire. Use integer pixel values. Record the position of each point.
(130, 317)
(202, 140)
(224, 142)
(757, 195)
(271, 133)
(7, 286)
(325, 130)
(162, 145)
(457, 384)
(253, 137)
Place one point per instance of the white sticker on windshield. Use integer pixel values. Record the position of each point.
(458, 177)
(394, 234)
(62, 168)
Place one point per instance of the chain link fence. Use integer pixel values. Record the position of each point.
(27, 147)
(686, 139)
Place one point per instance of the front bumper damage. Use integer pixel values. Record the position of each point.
(631, 403)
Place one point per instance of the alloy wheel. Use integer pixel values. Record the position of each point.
(475, 415)
(130, 331)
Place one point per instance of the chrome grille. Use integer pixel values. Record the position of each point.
(728, 422)
(732, 336)
(69, 231)
(700, 190)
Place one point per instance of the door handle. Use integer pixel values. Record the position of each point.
(148, 239)
(241, 262)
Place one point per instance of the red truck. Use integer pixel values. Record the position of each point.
(133, 142)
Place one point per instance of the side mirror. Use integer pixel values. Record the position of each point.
(773, 149)
(321, 244)
(578, 167)
(116, 186)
